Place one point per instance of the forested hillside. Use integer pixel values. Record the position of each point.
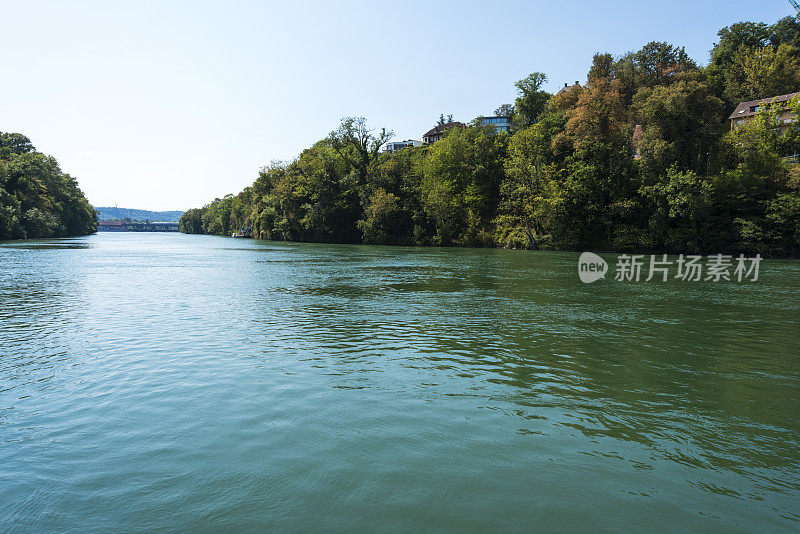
(566, 177)
(113, 212)
(37, 199)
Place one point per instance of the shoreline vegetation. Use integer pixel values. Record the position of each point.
(641, 157)
(37, 199)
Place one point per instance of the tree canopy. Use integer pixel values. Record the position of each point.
(570, 175)
(37, 199)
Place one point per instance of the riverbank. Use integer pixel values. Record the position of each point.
(646, 154)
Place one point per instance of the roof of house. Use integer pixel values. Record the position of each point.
(568, 87)
(440, 128)
(110, 223)
(743, 109)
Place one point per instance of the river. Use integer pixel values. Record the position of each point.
(195, 383)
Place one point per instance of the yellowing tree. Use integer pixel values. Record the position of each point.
(763, 72)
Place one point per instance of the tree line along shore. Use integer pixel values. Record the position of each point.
(37, 199)
(641, 156)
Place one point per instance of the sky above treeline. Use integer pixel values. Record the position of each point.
(168, 105)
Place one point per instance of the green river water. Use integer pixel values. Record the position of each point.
(165, 382)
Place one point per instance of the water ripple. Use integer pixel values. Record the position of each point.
(192, 383)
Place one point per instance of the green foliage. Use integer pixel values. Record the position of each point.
(755, 60)
(680, 208)
(354, 142)
(531, 99)
(461, 183)
(657, 63)
(14, 144)
(737, 36)
(566, 177)
(786, 30)
(385, 222)
(527, 190)
(505, 110)
(36, 198)
(761, 72)
(683, 122)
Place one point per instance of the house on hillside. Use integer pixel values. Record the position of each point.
(501, 124)
(568, 87)
(436, 133)
(394, 146)
(746, 111)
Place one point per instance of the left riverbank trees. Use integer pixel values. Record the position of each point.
(37, 199)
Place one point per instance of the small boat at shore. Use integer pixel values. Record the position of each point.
(244, 233)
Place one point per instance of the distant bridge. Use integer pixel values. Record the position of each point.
(137, 226)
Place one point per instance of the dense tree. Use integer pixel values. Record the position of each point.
(526, 189)
(603, 66)
(657, 63)
(737, 36)
(385, 222)
(356, 144)
(755, 60)
(36, 198)
(761, 72)
(683, 122)
(598, 117)
(460, 189)
(506, 110)
(531, 98)
(785, 31)
(402, 174)
(14, 144)
(565, 178)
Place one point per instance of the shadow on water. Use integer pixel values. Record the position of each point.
(47, 244)
(692, 374)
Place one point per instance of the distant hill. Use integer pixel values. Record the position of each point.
(139, 215)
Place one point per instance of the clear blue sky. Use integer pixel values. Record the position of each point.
(167, 105)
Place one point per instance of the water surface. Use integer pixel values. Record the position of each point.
(196, 383)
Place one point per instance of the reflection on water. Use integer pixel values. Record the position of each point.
(181, 382)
